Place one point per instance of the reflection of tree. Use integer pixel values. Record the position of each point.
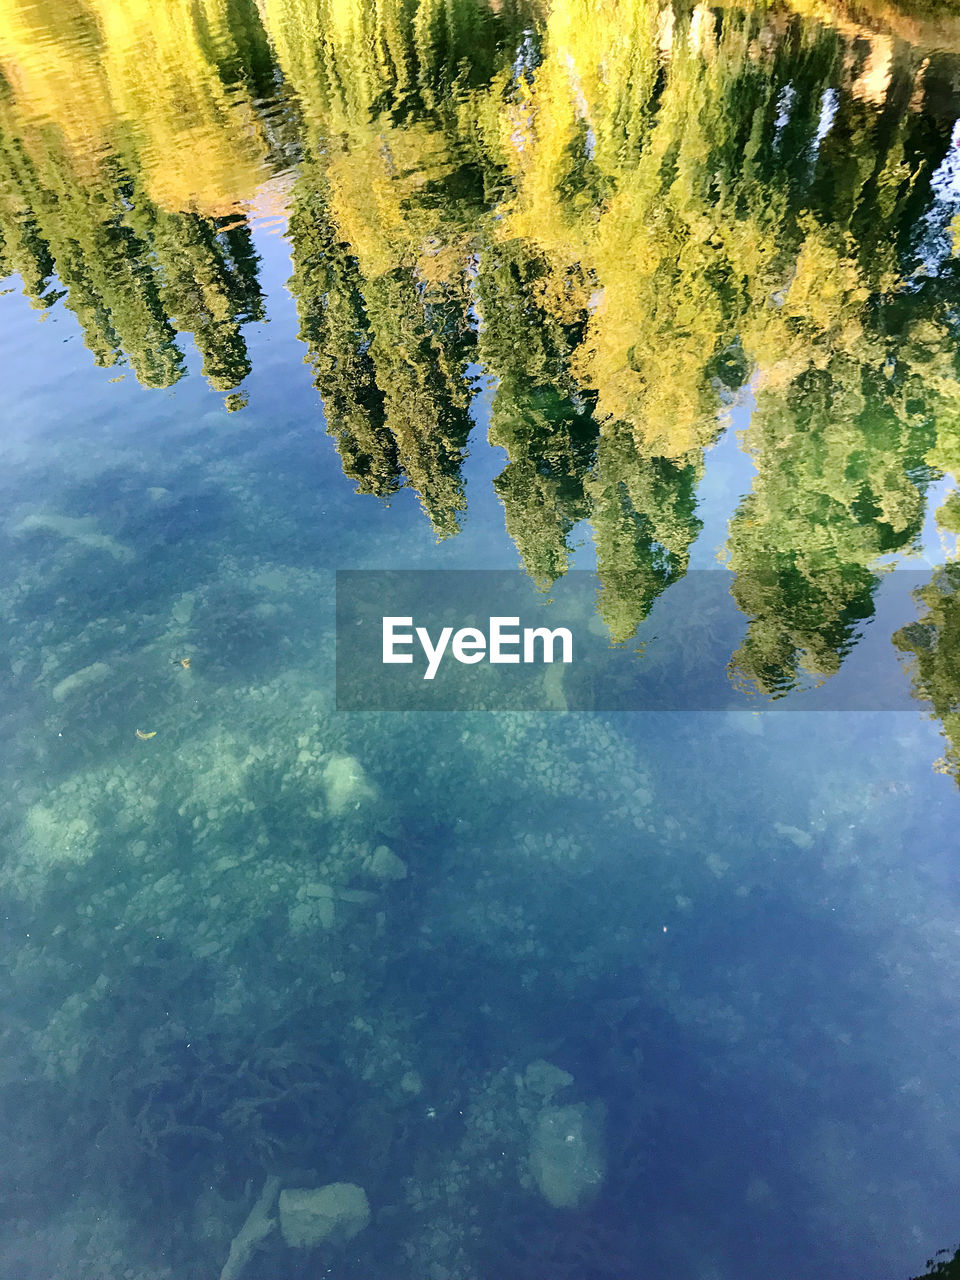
(666, 254)
(643, 515)
(100, 261)
(389, 349)
(844, 436)
(706, 260)
(208, 285)
(382, 227)
(669, 223)
(840, 481)
(934, 645)
(935, 357)
(152, 122)
(448, 36)
(26, 254)
(326, 284)
(946, 1268)
(531, 321)
(420, 343)
(844, 419)
(133, 274)
(625, 212)
(169, 89)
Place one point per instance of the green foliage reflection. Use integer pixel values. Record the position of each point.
(632, 218)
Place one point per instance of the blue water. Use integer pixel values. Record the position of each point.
(571, 996)
(737, 932)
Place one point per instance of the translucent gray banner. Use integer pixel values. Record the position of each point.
(462, 640)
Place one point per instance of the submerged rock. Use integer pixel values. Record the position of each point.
(258, 1225)
(566, 1156)
(315, 913)
(96, 673)
(802, 839)
(411, 1082)
(345, 785)
(336, 1212)
(543, 1080)
(385, 865)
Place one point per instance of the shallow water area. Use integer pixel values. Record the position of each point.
(635, 290)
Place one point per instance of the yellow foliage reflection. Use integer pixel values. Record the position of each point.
(629, 216)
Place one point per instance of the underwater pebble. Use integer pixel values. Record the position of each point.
(336, 1212)
(565, 1154)
(802, 839)
(315, 891)
(385, 865)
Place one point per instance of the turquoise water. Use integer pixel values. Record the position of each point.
(587, 996)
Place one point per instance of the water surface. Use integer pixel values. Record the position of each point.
(304, 286)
